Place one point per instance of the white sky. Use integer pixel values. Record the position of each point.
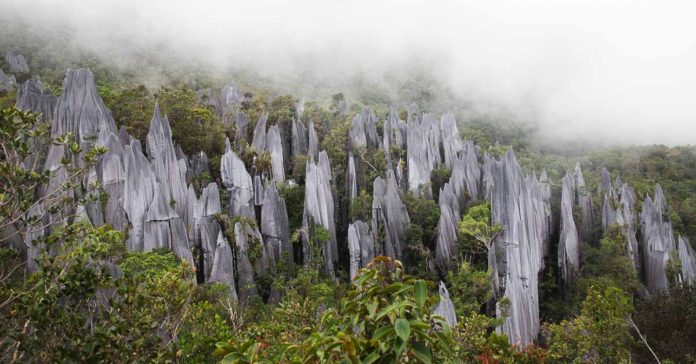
(615, 71)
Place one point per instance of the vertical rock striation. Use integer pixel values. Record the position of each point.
(360, 246)
(516, 257)
(389, 216)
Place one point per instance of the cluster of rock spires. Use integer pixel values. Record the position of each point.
(151, 195)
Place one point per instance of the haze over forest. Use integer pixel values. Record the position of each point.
(614, 73)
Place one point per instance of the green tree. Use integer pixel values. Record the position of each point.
(477, 232)
(601, 334)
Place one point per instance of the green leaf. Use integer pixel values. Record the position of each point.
(370, 358)
(403, 329)
(381, 332)
(421, 292)
(422, 353)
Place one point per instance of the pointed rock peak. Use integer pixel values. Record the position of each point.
(228, 146)
(544, 178)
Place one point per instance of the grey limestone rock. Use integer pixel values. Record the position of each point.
(245, 271)
(196, 165)
(223, 265)
(423, 154)
(313, 142)
(447, 227)
(299, 138)
(516, 257)
(275, 227)
(33, 96)
(445, 307)
(238, 182)
(568, 244)
(319, 210)
(687, 257)
(389, 215)
(351, 179)
(360, 246)
(165, 164)
(259, 140)
(658, 241)
(16, 62)
(451, 142)
(274, 146)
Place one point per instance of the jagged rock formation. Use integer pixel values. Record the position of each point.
(275, 226)
(447, 227)
(319, 210)
(196, 165)
(238, 182)
(7, 83)
(16, 62)
(206, 228)
(389, 216)
(568, 244)
(452, 144)
(363, 130)
(274, 146)
(516, 257)
(313, 142)
(423, 140)
(687, 258)
(222, 102)
(445, 307)
(299, 138)
(162, 156)
(658, 240)
(394, 134)
(360, 246)
(351, 179)
(242, 236)
(605, 180)
(32, 96)
(241, 124)
(584, 200)
(223, 269)
(259, 140)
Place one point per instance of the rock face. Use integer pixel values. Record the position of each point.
(394, 132)
(259, 141)
(584, 201)
(360, 246)
(687, 257)
(7, 83)
(319, 210)
(165, 164)
(222, 102)
(32, 96)
(247, 287)
(275, 226)
(299, 138)
(196, 165)
(658, 241)
(351, 179)
(241, 123)
(274, 146)
(516, 257)
(568, 244)
(313, 142)
(447, 227)
(445, 307)
(223, 268)
(363, 130)
(423, 151)
(16, 62)
(452, 144)
(389, 216)
(79, 110)
(206, 228)
(238, 182)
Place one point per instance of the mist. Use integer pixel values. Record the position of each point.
(614, 72)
